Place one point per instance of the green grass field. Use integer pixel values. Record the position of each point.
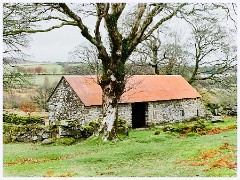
(142, 154)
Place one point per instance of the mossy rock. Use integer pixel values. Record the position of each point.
(47, 141)
(168, 128)
(65, 141)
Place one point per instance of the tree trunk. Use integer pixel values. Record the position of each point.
(110, 116)
(112, 84)
(154, 60)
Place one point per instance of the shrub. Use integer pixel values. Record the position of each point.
(86, 131)
(7, 139)
(211, 107)
(15, 119)
(95, 124)
(197, 127)
(122, 127)
(53, 130)
(168, 128)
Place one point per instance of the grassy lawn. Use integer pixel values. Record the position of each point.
(142, 154)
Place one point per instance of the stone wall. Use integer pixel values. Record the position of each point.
(174, 111)
(28, 132)
(125, 112)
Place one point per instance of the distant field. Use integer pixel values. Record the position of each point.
(39, 79)
(50, 68)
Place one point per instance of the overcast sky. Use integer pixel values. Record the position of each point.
(55, 45)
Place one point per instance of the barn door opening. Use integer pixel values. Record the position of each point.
(138, 115)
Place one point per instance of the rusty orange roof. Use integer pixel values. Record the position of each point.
(139, 88)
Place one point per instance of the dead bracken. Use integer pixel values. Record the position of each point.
(42, 160)
(215, 158)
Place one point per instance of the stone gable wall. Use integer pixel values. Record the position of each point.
(64, 104)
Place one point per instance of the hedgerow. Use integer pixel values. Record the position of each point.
(15, 119)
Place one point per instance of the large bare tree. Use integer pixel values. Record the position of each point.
(147, 18)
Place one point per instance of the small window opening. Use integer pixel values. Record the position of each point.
(197, 112)
(182, 112)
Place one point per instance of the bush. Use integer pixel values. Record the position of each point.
(168, 128)
(197, 127)
(122, 126)
(7, 139)
(212, 107)
(65, 141)
(86, 131)
(15, 119)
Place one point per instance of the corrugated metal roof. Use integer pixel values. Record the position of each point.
(139, 88)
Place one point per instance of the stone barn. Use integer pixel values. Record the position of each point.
(148, 99)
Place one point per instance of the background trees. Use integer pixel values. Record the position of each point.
(213, 48)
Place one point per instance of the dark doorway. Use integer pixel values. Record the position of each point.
(138, 115)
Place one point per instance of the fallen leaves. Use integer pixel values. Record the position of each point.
(52, 174)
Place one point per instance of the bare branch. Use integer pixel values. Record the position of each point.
(139, 14)
(14, 32)
(162, 21)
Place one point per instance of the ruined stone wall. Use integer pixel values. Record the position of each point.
(174, 111)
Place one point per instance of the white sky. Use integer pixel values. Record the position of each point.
(55, 45)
